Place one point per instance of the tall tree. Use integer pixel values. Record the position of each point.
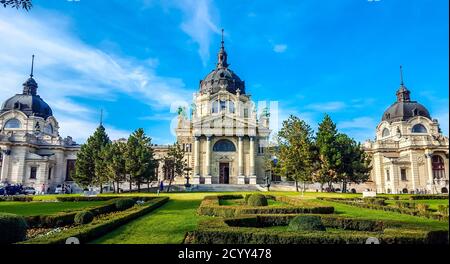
(138, 157)
(328, 152)
(296, 151)
(102, 172)
(116, 164)
(86, 157)
(270, 166)
(355, 164)
(176, 157)
(25, 4)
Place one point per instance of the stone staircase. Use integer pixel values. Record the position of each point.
(226, 188)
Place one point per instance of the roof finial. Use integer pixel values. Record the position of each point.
(32, 65)
(401, 75)
(222, 38)
(101, 117)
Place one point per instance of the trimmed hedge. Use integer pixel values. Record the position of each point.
(408, 211)
(211, 206)
(429, 197)
(83, 217)
(85, 198)
(215, 231)
(257, 200)
(13, 228)
(16, 198)
(98, 228)
(124, 204)
(306, 222)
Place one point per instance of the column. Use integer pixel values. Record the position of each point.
(430, 184)
(5, 164)
(196, 176)
(393, 176)
(252, 161)
(241, 177)
(208, 160)
(413, 170)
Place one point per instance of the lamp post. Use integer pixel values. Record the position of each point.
(188, 170)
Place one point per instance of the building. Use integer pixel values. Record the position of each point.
(222, 136)
(409, 154)
(32, 151)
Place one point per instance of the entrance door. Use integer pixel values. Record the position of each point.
(224, 173)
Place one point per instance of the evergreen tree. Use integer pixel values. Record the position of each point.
(102, 172)
(176, 160)
(296, 151)
(328, 152)
(25, 4)
(138, 157)
(116, 165)
(87, 156)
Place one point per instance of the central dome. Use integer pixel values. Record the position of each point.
(222, 77)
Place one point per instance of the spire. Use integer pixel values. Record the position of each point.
(222, 55)
(32, 66)
(101, 117)
(30, 86)
(402, 92)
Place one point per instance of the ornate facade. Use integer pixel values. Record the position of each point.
(32, 152)
(223, 137)
(409, 154)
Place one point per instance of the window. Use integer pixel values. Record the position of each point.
(260, 149)
(386, 132)
(13, 123)
(437, 163)
(215, 107)
(223, 105)
(231, 106)
(418, 129)
(70, 169)
(48, 129)
(49, 173)
(245, 112)
(224, 145)
(187, 147)
(388, 176)
(403, 174)
(33, 173)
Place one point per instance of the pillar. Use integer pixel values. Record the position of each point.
(196, 176)
(6, 153)
(414, 175)
(252, 161)
(241, 177)
(208, 160)
(430, 184)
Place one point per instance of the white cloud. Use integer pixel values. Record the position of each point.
(359, 122)
(65, 66)
(359, 128)
(327, 106)
(199, 23)
(280, 48)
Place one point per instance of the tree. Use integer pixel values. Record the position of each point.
(138, 157)
(86, 157)
(328, 152)
(25, 4)
(102, 172)
(175, 155)
(296, 151)
(269, 164)
(354, 165)
(116, 164)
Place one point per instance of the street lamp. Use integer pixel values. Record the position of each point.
(188, 171)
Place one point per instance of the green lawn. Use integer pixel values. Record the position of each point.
(43, 208)
(238, 202)
(432, 203)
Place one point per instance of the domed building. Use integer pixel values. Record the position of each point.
(32, 151)
(409, 154)
(222, 136)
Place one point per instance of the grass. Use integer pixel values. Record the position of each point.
(432, 203)
(240, 202)
(44, 208)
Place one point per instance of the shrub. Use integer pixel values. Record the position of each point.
(257, 200)
(246, 196)
(381, 201)
(124, 204)
(13, 228)
(395, 197)
(16, 198)
(443, 209)
(83, 217)
(428, 197)
(306, 222)
(422, 208)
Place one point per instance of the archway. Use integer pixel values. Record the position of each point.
(444, 190)
(224, 145)
(438, 167)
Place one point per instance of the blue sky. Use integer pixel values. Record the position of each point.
(136, 59)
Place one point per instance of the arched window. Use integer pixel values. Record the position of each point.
(231, 106)
(215, 107)
(418, 128)
(48, 129)
(438, 167)
(386, 132)
(13, 123)
(223, 106)
(224, 145)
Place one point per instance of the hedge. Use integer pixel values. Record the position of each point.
(85, 198)
(100, 227)
(257, 200)
(429, 197)
(67, 218)
(16, 198)
(13, 228)
(211, 206)
(83, 217)
(215, 231)
(413, 212)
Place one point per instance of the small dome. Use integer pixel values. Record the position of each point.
(28, 102)
(404, 108)
(219, 77)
